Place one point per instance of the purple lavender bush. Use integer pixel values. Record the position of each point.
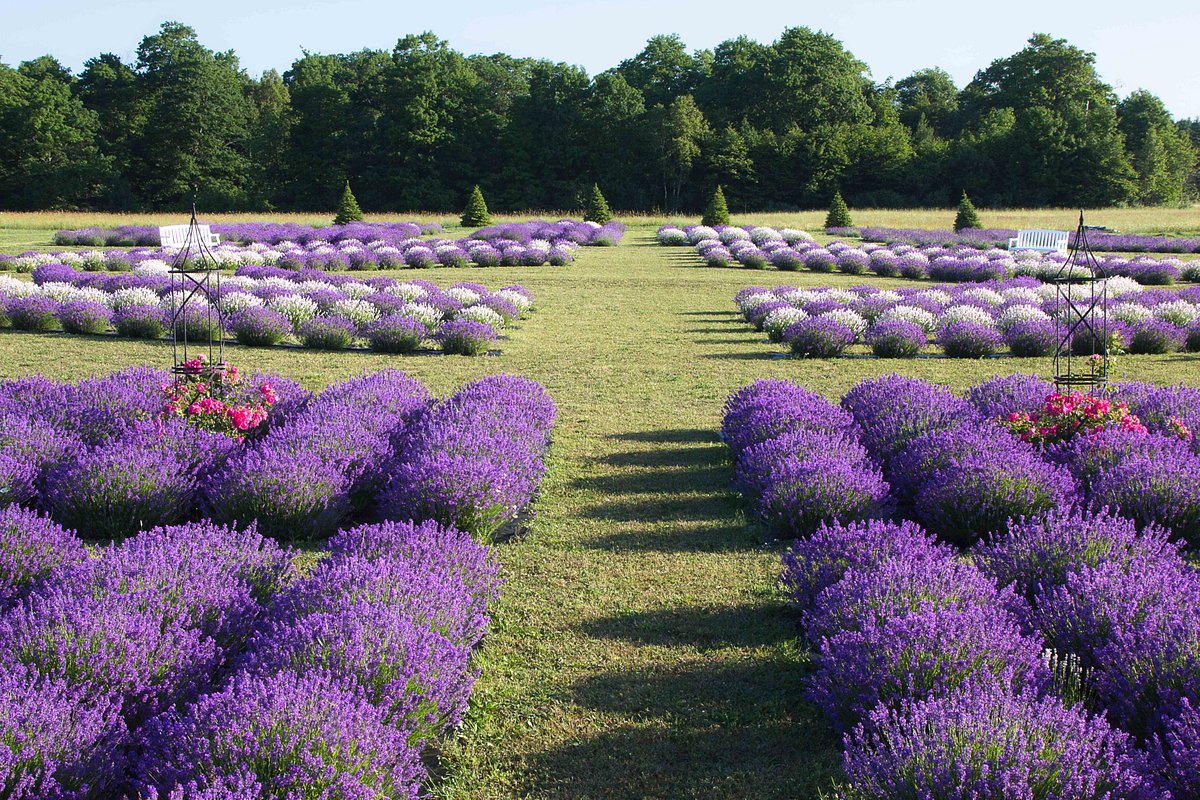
(827, 487)
(291, 493)
(818, 337)
(1036, 555)
(279, 735)
(900, 585)
(758, 465)
(1155, 337)
(17, 480)
(141, 322)
(426, 544)
(1152, 490)
(1032, 338)
(257, 326)
(475, 460)
(31, 547)
(327, 332)
(58, 740)
(998, 397)
(892, 411)
(812, 565)
(970, 340)
(896, 338)
(464, 337)
(395, 333)
(769, 407)
(32, 313)
(84, 316)
(921, 654)
(992, 744)
(979, 492)
(118, 488)
(1175, 754)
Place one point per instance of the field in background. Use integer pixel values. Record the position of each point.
(21, 229)
(641, 648)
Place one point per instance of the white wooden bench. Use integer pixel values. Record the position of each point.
(176, 236)
(1041, 241)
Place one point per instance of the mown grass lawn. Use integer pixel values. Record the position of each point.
(640, 649)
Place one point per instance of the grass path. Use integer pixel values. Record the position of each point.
(640, 649)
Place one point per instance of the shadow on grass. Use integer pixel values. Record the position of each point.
(660, 507)
(714, 453)
(680, 537)
(757, 355)
(714, 730)
(701, 627)
(673, 497)
(679, 435)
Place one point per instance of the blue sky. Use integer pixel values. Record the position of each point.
(1148, 44)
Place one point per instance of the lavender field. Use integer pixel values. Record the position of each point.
(599, 548)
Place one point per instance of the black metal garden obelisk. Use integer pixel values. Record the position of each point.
(197, 325)
(1081, 355)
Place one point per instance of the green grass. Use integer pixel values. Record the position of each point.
(640, 649)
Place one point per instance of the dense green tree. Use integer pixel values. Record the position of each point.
(717, 210)
(596, 209)
(967, 216)
(839, 214)
(49, 156)
(476, 215)
(547, 152)
(728, 162)
(424, 107)
(1064, 147)
(929, 95)
(679, 132)
(731, 94)
(110, 88)
(197, 122)
(779, 126)
(614, 120)
(664, 70)
(815, 67)
(1162, 154)
(269, 140)
(347, 210)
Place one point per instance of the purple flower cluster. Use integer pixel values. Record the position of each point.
(970, 257)
(267, 305)
(797, 459)
(906, 444)
(984, 238)
(192, 661)
(951, 670)
(938, 677)
(969, 321)
(475, 459)
(354, 247)
(98, 458)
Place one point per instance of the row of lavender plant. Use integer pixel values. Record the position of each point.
(949, 672)
(265, 306)
(760, 248)
(252, 232)
(360, 246)
(347, 255)
(969, 321)
(113, 455)
(190, 661)
(985, 238)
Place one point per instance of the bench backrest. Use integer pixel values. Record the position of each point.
(176, 235)
(1042, 240)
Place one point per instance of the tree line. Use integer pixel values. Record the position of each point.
(779, 126)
